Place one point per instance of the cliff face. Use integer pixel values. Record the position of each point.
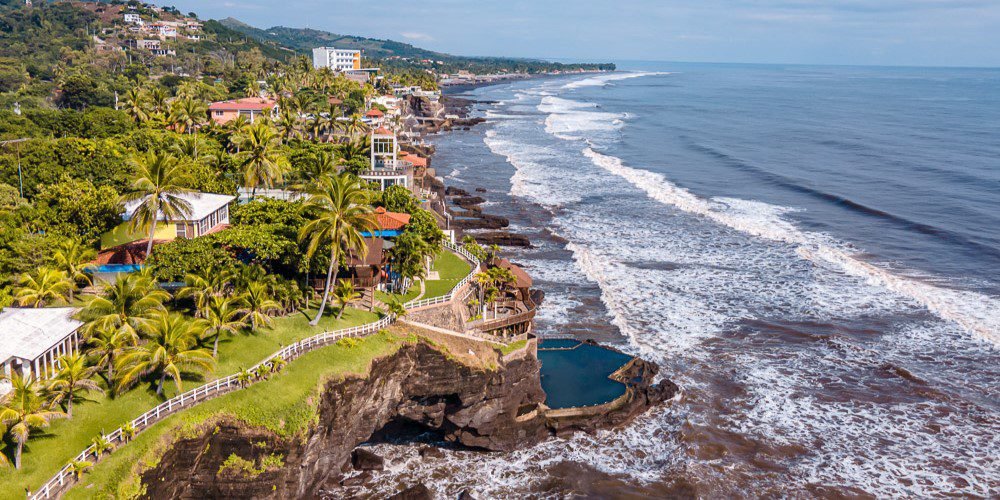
(498, 410)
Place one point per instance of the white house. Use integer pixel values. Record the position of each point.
(31, 340)
(336, 59)
(386, 169)
(132, 18)
(209, 212)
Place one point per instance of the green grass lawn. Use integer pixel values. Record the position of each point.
(47, 452)
(283, 404)
(451, 269)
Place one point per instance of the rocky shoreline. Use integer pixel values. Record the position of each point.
(499, 409)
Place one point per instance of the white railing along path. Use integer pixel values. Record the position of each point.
(216, 388)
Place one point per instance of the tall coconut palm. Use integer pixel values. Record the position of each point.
(187, 114)
(354, 149)
(72, 380)
(72, 257)
(43, 287)
(25, 410)
(124, 305)
(319, 167)
(136, 105)
(345, 294)
(339, 215)
(104, 347)
(289, 126)
(202, 287)
(188, 146)
(157, 187)
(158, 100)
(260, 157)
(315, 126)
(224, 315)
(257, 303)
(170, 349)
(355, 126)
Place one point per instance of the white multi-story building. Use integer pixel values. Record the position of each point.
(132, 18)
(386, 169)
(336, 59)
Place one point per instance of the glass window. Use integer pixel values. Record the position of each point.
(181, 230)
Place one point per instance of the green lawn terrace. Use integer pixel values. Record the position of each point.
(51, 448)
(446, 271)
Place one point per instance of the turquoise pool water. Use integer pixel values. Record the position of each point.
(576, 374)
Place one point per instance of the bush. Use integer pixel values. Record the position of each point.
(171, 261)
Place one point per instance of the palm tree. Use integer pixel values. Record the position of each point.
(25, 410)
(101, 444)
(158, 100)
(484, 280)
(260, 157)
(340, 215)
(223, 315)
(123, 306)
(79, 467)
(186, 114)
(355, 126)
(277, 364)
(43, 287)
(157, 186)
(354, 149)
(395, 307)
(170, 348)
(128, 431)
(188, 146)
(72, 380)
(321, 166)
(244, 377)
(136, 106)
(72, 257)
(314, 126)
(345, 294)
(105, 346)
(332, 123)
(288, 126)
(257, 303)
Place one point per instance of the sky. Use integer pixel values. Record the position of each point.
(862, 32)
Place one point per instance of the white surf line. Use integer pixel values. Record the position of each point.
(977, 313)
(600, 80)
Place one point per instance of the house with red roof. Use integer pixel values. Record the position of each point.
(374, 270)
(375, 116)
(250, 107)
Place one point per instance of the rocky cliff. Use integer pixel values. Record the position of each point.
(498, 409)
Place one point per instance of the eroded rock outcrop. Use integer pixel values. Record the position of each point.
(497, 409)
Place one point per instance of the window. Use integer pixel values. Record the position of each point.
(181, 230)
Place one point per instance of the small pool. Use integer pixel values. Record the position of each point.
(115, 268)
(576, 374)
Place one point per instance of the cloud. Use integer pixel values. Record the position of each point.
(413, 35)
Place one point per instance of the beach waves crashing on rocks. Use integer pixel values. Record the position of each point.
(685, 279)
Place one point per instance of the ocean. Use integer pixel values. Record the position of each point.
(811, 253)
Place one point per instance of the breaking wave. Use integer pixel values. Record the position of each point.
(602, 80)
(976, 313)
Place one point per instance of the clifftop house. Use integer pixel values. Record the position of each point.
(32, 339)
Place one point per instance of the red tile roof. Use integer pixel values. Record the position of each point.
(382, 131)
(417, 161)
(246, 103)
(129, 253)
(390, 221)
(374, 113)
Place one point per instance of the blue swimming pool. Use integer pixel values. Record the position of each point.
(114, 268)
(576, 374)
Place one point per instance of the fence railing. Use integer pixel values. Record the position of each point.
(414, 304)
(65, 476)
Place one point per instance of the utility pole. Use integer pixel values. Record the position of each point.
(17, 149)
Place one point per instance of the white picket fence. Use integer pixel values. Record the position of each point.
(421, 303)
(211, 390)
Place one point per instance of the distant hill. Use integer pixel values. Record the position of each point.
(396, 54)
